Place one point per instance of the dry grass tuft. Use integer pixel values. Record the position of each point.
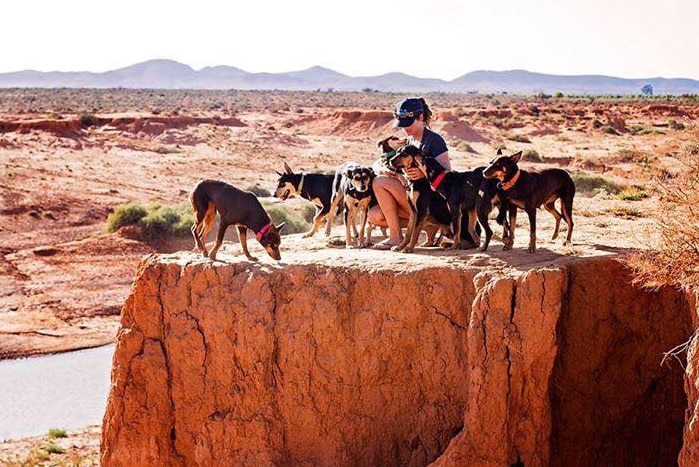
(675, 260)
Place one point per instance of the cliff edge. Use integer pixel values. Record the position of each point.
(337, 359)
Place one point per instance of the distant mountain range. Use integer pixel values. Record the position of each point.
(168, 74)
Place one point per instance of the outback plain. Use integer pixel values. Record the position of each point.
(70, 158)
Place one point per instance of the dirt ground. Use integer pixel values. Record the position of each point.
(68, 158)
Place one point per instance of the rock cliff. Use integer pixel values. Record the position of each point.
(394, 362)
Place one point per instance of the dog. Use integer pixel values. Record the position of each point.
(425, 206)
(352, 189)
(529, 191)
(315, 187)
(388, 147)
(235, 207)
(466, 193)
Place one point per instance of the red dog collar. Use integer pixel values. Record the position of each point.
(262, 231)
(511, 183)
(437, 181)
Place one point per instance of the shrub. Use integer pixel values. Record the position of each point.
(586, 183)
(155, 219)
(128, 214)
(634, 193)
(295, 219)
(464, 146)
(54, 449)
(673, 259)
(261, 192)
(519, 138)
(609, 130)
(57, 433)
(87, 120)
(530, 155)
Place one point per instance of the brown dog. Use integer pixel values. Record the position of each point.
(235, 207)
(531, 190)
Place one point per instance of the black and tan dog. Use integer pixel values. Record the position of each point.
(352, 189)
(235, 207)
(425, 206)
(469, 196)
(315, 187)
(529, 191)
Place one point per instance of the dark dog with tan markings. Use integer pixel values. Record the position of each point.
(235, 207)
(315, 187)
(529, 191)
(352, 189)
(469, 196)
(422, 200)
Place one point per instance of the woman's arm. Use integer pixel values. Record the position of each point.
(443, 159)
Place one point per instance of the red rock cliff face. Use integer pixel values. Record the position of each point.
(317, 364)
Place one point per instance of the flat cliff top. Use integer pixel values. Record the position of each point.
(317, 251)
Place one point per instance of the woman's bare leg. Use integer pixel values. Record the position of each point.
(393, 209)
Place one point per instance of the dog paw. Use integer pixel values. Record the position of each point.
(531, 249)
(506, 247)
(252, 258)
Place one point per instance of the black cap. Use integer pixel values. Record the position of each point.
(407, 111)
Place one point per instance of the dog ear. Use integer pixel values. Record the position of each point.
(371, 171)
(280, 226)
(499, 153)
(279, 173)
(287, 168)
(348, 172)
(516, 156)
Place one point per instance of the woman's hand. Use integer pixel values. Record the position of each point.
(414, 173)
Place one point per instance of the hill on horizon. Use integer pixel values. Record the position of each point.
(169, 74)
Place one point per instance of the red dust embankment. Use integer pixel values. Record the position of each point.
(316, 362)
(74, 127)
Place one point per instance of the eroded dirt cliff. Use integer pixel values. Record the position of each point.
(405, 363)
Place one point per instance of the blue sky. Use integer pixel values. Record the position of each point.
(430, 39)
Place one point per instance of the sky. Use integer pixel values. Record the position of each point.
(441, 39)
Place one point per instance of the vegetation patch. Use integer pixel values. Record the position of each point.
(593, 184)
(297, 220)
(633, 193)
(673, 260)
(57, 433)
(155, 219)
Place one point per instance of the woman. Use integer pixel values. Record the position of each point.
(414, 117)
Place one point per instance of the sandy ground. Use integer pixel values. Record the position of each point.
(63, 279)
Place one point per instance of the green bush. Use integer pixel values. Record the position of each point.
(57, 433)
(634, 193)
(54, 449)
(127, 214)
(464, 146)
(586, 183)
(295, 220)
(260, 192)
(155, 219)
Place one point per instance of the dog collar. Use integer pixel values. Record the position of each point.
(438, 180)
(300, 189)
(262, 232)
(509, 184)
(387, 155)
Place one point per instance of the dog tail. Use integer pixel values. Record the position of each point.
(502, 215)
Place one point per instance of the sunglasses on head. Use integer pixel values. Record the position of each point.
(402, 113)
